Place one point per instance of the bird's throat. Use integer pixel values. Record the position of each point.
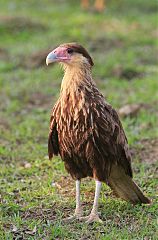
(74, 77)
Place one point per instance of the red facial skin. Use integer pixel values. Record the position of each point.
(59, 54)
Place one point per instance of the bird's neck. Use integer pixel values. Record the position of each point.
(75, 77)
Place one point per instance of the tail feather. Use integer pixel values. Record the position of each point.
(124, 186)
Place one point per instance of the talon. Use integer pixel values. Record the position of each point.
(77, 215)
(91, 218)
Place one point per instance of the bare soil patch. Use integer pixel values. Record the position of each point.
(36, 60)
(126, 73)
(147, 150)
(41, 213)
(4, 54)
(105, 43)
(38, 99)
(133, 109)
(12, 24)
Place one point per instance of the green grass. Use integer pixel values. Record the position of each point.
(122, 40)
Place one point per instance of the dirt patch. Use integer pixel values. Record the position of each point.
(126, 73)
(4, 124)
(147, 151)
(17, 24)
(4, 54)
(40, 213)
(38, 99)
(36, 60)
(133, 109)
(129, 110)
(33, 101)
(65, 186)
(105, 43)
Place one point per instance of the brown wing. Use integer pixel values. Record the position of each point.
(109, 144)
(53, 145)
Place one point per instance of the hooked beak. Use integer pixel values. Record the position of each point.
(57, 55)
(52, 57)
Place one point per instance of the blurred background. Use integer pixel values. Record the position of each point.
(122, 39)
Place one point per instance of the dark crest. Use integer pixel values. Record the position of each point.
(79, 49)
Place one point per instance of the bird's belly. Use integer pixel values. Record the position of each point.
(72, 151)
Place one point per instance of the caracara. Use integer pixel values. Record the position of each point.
(99, 4)
(86, 132)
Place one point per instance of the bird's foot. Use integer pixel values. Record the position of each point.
(77, 215)
(93, 217)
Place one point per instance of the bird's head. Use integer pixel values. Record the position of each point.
(70, 54)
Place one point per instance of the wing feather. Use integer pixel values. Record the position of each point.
(53, 144)
(109, 143)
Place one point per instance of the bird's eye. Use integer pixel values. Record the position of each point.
(70, 50)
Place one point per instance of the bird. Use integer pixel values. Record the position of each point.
(85, 130)
(99, 5)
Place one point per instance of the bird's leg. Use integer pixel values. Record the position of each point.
(99, 5)
(85, 3)
(93, 217)
(78, 210)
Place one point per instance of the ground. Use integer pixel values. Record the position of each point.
(36, 193)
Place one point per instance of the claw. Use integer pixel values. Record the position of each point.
(94, 218)
(91, 218)
(77, 215)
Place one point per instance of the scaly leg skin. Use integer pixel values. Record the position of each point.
(78, 210)
(94, 217)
